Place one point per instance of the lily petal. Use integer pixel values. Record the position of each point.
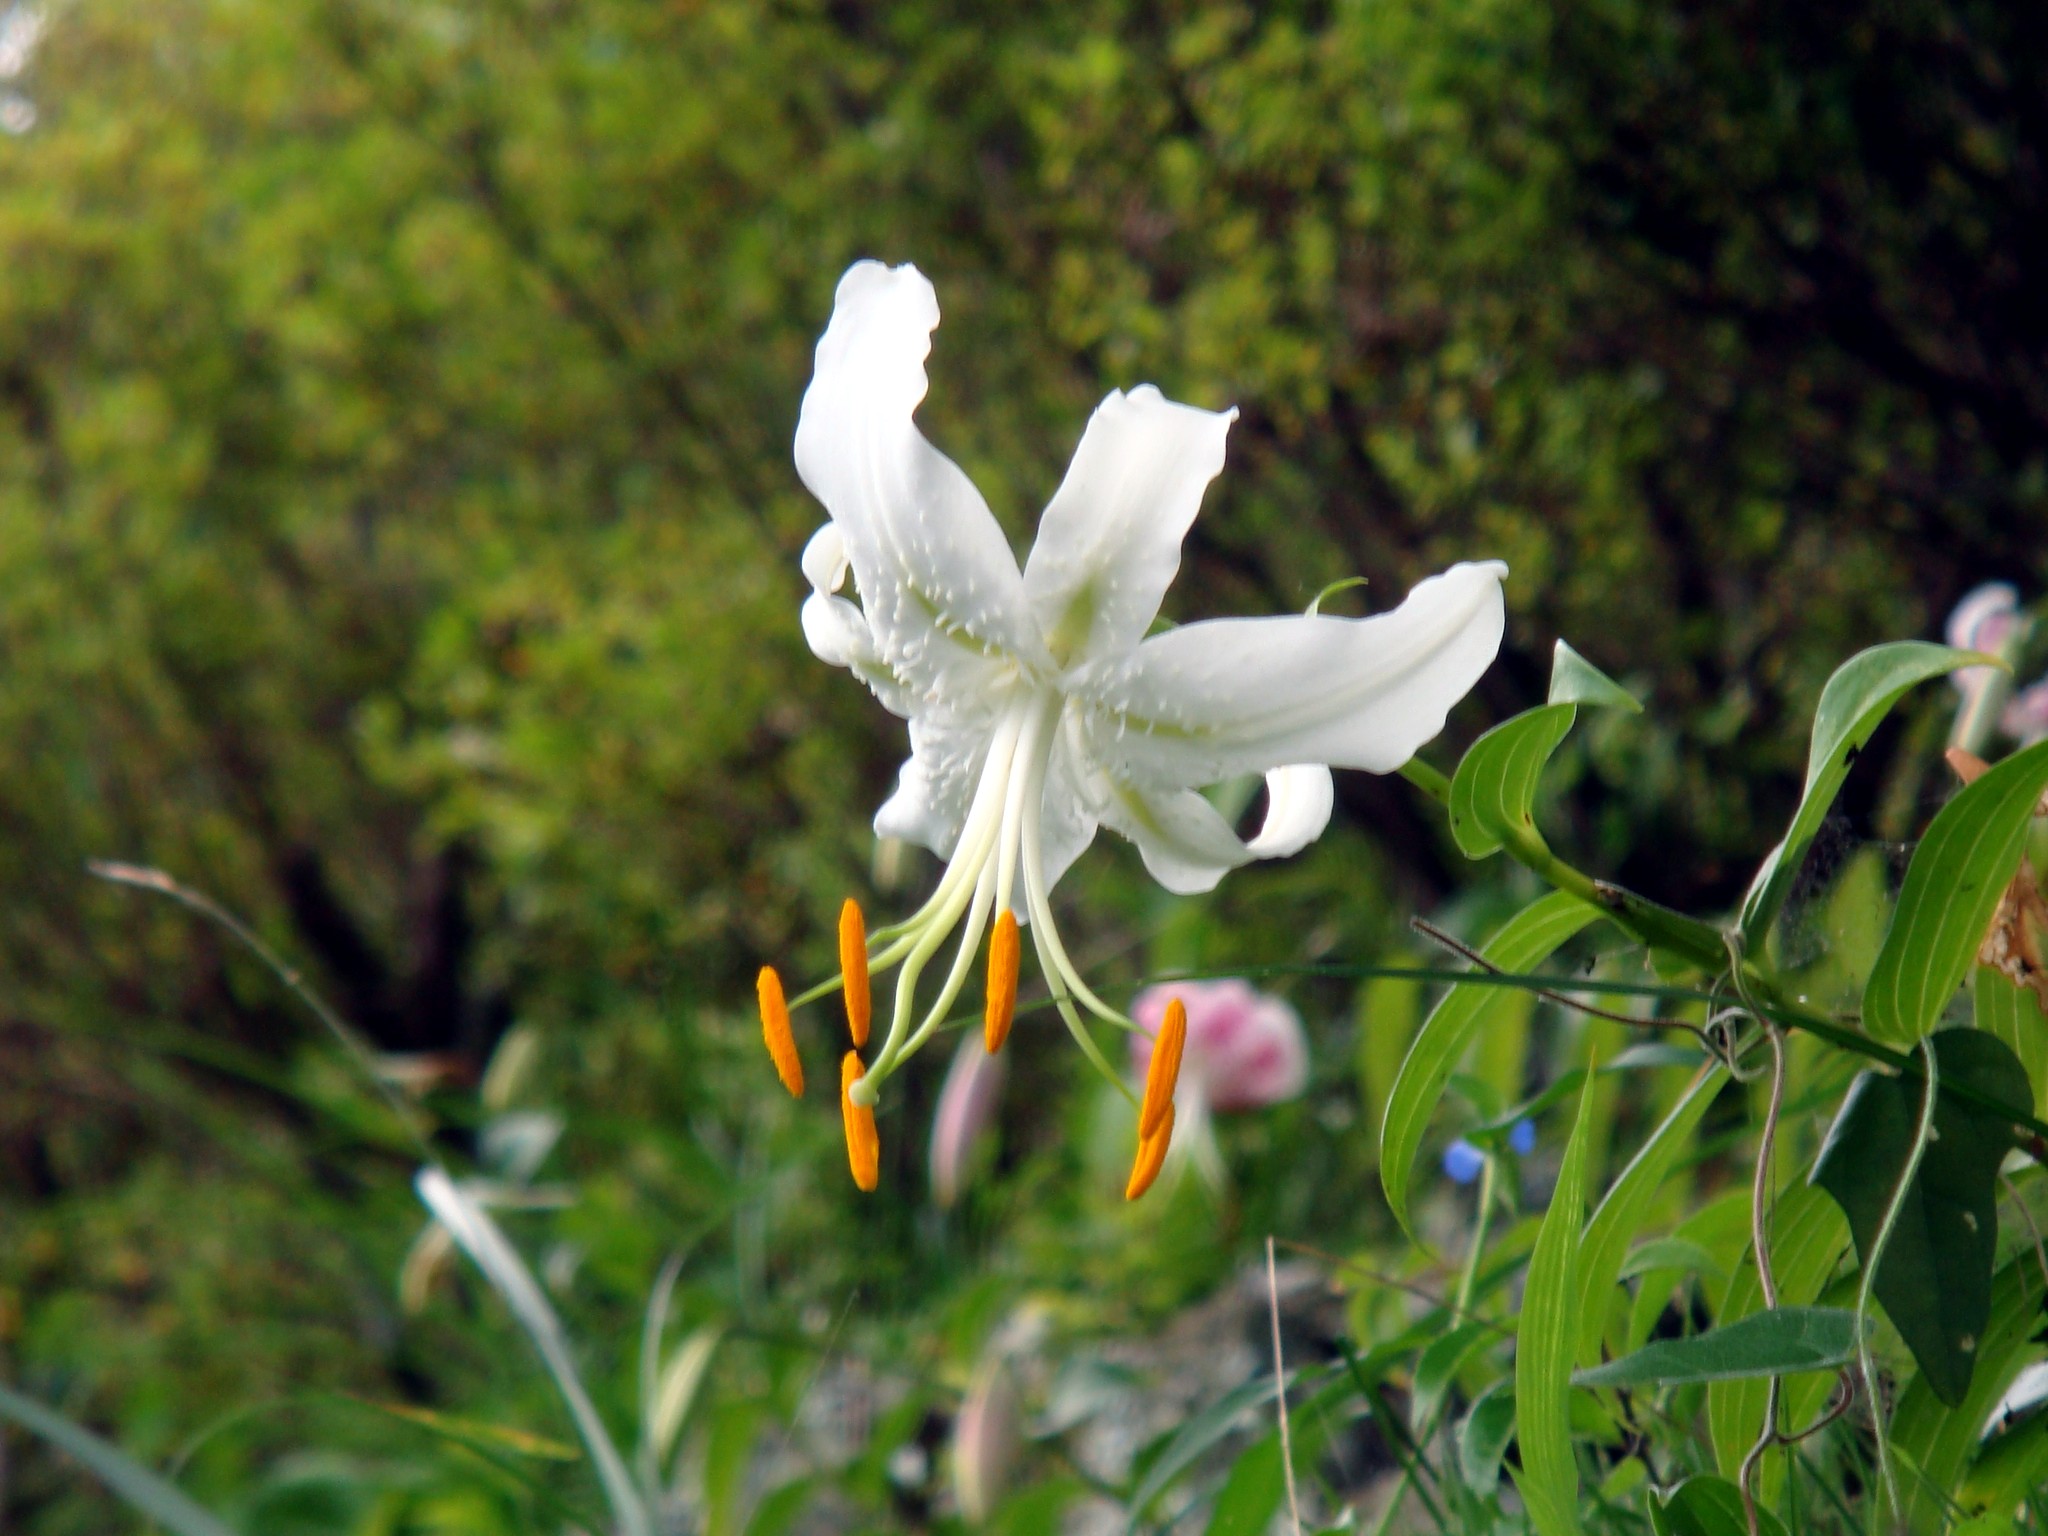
(1109, 542)
(935, 787)
(1299, 799)
(1065, 827)
(1186, 844)
(939, 587)
(1230, 696)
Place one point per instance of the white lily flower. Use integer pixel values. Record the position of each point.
(1039, 709)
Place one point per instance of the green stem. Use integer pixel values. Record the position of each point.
(1703, 945)
(1428, 780)
(1470, 1278)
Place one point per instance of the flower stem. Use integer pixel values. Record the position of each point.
(1701, 944)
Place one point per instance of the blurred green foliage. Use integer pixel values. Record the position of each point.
(398, 536)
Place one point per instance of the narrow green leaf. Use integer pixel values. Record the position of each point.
(1525, 940)
(1939, 1439)
(1493, 793)
(478, 1435)
(1438, 1368)
(780, 1509)
(2011, 1465)
(2014, 1015)
(1709, 1506)
(1548, 1335)
(1483, 1437)
(1389, 1008)
(1676, 1255)
(1251, 1495)
(1575, 680)
(1934, 1280)
(1852, 706)
(1620, 1213)
(1195, 1439)
(1773, 1343)
(141, 1488)
(1807, 1238)
(1959, 871)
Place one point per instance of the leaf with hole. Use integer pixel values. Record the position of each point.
(1852, 706)
(1952, 887)
(1778, 1342)
(1934, 1279)
(1525, 940)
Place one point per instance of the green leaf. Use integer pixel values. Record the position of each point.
(1438, 1369)
(2014, 1015)
(478, 1435)
(1194, 1440)
(1808, 1237)
(1852, 706)
(1709, 1506)
(1940, 1439)
(1483, 1437)
(1676, 1254)
(1575, 680)
(1493, 793)
(1935, 1276)
(1251, 1495)
(1620, 1213)
(1959, 871)
(1389, 1008)
(141, 1488)
(779, 1510)
(1548, 1335)
(2011, 1466)
(1525, 940)
(1772, 1343)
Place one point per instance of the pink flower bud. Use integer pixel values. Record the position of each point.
(986, 1438)
(1245, 1049)
(967, 1109)
(1984, 617)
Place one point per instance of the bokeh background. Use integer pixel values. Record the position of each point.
(398, 542)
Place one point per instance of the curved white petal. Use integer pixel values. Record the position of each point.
(1186, 844)
(1065, 826)
(1230, 696)
(835, 631)
(935, 787)
(824, 559)
(1109, 542)
(1299, 799)
(938, 584)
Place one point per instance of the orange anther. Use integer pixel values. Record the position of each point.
(853, 968)
(863, 1147)
(1002, 982)
(1151, 1156)
(775, 1030)
(1164, 1072)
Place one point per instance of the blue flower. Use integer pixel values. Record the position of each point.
(1463, 1161)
